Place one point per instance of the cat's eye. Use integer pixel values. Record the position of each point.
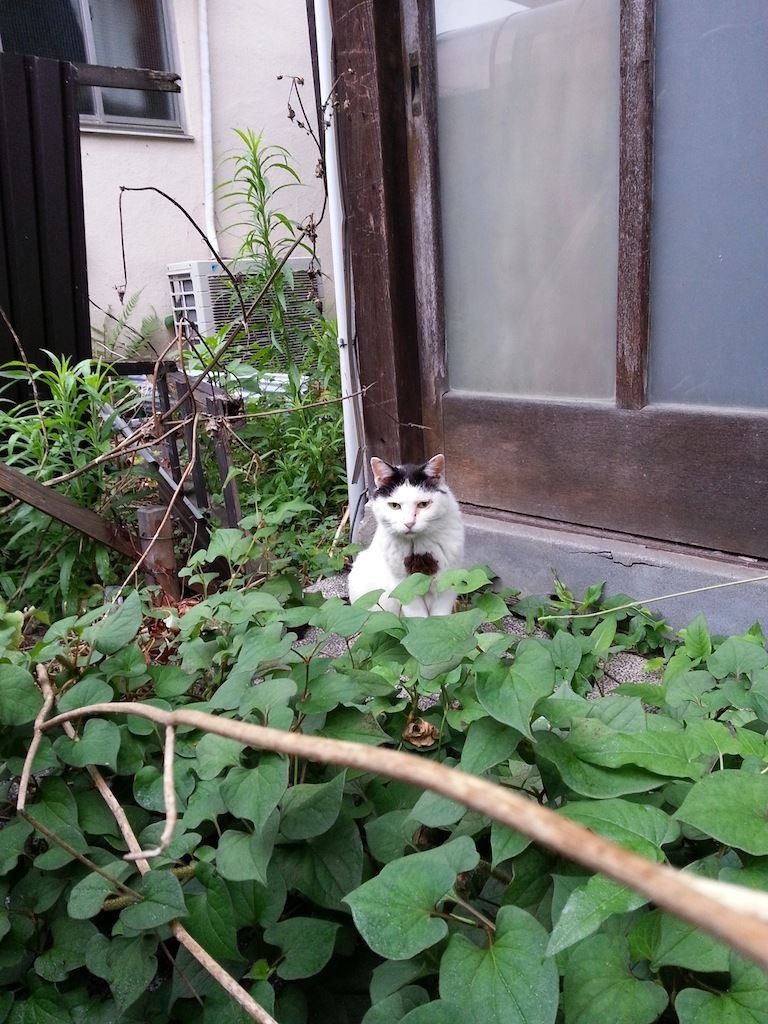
(424, 504)
(393, 504)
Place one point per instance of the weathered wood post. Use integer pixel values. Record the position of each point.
(160, 563)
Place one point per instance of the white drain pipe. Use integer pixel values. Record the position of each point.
(354, 441)
(207, 122)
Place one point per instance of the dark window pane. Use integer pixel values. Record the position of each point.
(709, 232)
(135, 104)
(43, 28)
(131, 34)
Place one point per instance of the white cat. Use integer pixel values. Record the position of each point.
(419, 529)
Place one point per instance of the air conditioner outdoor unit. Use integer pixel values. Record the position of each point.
(202, 295)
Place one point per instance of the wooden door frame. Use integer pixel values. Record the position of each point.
(660, 472)
(368, 106)
(395, 346)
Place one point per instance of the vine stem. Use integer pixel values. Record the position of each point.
(254, 1010)
(652, 600)
(731, 913)
(486, 922)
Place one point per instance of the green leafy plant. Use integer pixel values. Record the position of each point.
(260, 172)
(120, 337)
(65, 428)
(336, 894)
(290, 465)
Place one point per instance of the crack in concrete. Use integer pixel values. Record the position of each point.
(619, 561)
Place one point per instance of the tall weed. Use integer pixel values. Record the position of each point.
(45, 563)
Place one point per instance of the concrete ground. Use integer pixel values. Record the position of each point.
(524, 553)
(621, 668)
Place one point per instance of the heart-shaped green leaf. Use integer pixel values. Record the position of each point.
(117, 627)
(306, 944)
(327, 867)
(394, 911)
(253, 793)
(20, 699)
(731, 807)
(309, 810)
(99, 744)
(745, 1002)
(509, 980)
(87, 895)
(599, 985)
(162, 900)
(510, 695)
(442, 638)
(243, 857)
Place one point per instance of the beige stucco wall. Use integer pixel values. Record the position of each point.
(251, 43)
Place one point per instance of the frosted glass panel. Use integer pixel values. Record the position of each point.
(709, 228)
(528, 143)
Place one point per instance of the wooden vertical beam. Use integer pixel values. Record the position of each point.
(76, 211)
(232, 510)
(374, 165)
(420, 73)
(19, 202)
(635, 183)
(160, 563)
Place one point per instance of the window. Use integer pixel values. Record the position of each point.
(116, 33)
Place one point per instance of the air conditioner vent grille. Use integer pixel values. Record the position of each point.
(202, 295)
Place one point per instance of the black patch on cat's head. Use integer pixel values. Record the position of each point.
(408, 474)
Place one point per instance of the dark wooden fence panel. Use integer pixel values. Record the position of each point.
(43, 276)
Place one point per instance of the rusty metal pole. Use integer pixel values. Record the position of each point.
(160, 563)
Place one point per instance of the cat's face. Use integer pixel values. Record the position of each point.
(409, 499)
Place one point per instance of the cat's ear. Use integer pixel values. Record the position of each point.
(382, 472)
(435, 468)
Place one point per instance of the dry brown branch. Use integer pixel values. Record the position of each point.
(299, 408)
(227, 982)
(26, 772)
(169, 796)
(134, 444)
(654, 600)
(734, 915)
(130, 895)
(339, 530)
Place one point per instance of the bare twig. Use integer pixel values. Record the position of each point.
(734, 915)
(654, 600)
(227, 982)
(117, 320)
(339, 530)
(195, 225)
(26, 775)
(132, 445)
(37, 735)
(169, 796)
(131, 895)
(299, 408)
